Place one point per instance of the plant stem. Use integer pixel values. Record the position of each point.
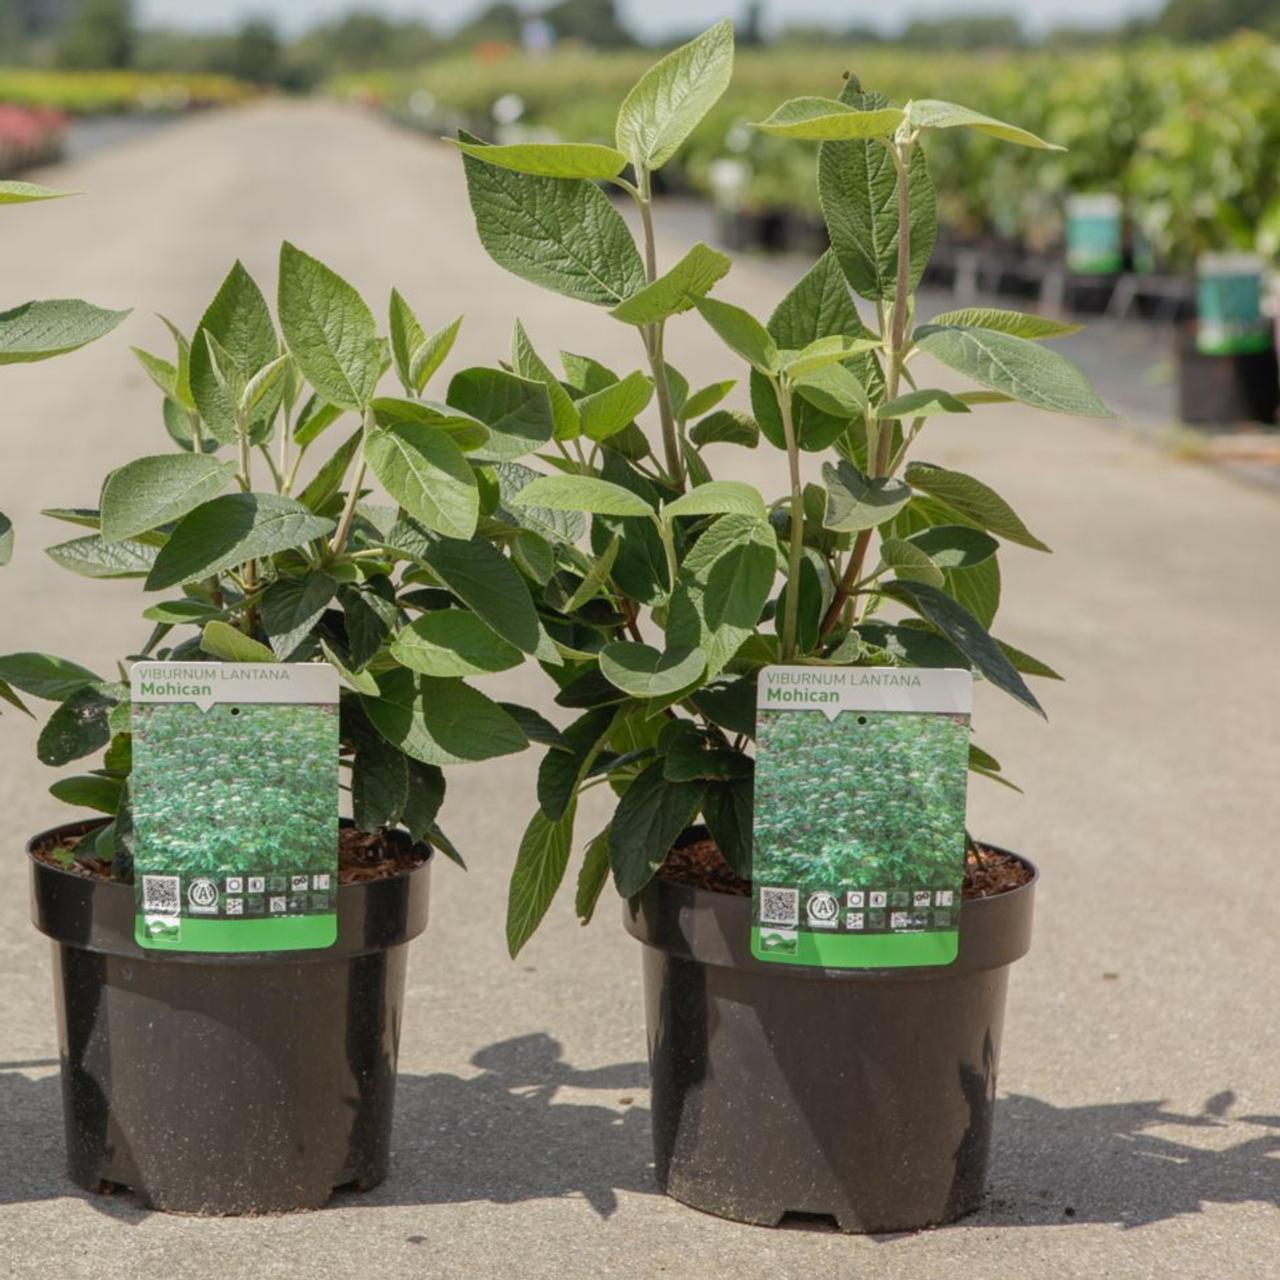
(877, 465)
(654, 336)
(343, 531)
(276, 477)
(197, 434)
(791, 616)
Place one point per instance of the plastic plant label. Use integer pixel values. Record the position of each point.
(860, 787)
(235, 805)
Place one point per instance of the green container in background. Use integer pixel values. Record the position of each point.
(1229, 305)
(1095, 234)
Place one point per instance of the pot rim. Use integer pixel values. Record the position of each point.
(97, 914)
(710, 927)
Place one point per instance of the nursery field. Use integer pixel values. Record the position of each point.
(1138, 1112)
(1186, 137)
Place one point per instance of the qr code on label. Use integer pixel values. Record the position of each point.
(162, 895)
(780, 907)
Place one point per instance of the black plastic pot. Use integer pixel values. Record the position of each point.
(1221, 390)
(226, 1084)
(863, 1096)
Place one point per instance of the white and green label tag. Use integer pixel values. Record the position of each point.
(235, 805)
(860, 790)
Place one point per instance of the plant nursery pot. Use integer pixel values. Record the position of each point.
(1221, 390)
(226, 1084)
(862, 1096)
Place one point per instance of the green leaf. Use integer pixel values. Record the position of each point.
(822, 353)
(329, 330)
(80, 726)
(645, 672)
(726, 426)
(858, 189)
(425, 796)
(441, 722)
(41, 330)
(705, 399)
(585, 160)
(239, 321)
(490, 585)
(360, 681)
(581, 493)
(671, 98)
(516, 410)
(968, 635)
(829, 120)
(565, 236)
(592, 877)
(928, 113)
(1014, 322)
(379, 772)
(6, 539)
(741, 332)
(585, 374)
(1025, 370)
(25, 192)
(528, 364)
(149, 492)
(161, 372)
(649, 819)
(92, 558)
(924, 403)
(955, 546)
(406, 337)
(729, 703)
(89, 791)
(465, 431)
(230, 530)
(1026, 664)
(326, 484)
(834, 390)
(722, 588)
(432, 354)
(533, 555)
(176, 613)
(855, 502)
(562, 771)
(267, 384)
(540, 866)
(222, 640)
(44, 676)
(727, 810)
(818, 306)
(909, 562)
(453, 642)
(973, 500)
(673, 293)
(597, 577)
(428, 475)
(718, 497)
(606, 412)
(317, 416)
(291, 607)
(978, 589)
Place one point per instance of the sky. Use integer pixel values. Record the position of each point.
(652, 18)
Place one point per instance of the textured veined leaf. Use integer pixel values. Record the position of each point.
(741, 332)
(585, 160)
(41, 330)
(923, 403)
(222, 640)
(973, 500)
(581, 493)
(607, 412)
(672, 293)
(646, 672)
(910, 562)
(149, 492)
(517, 411)
(1017, 323)
(718, 497)
(829, 120)
(929, 113)
(529, 364)
(539, 868)
(428, 475)
(856, 502)
(25, 192)
(670, 99)
(453, 642)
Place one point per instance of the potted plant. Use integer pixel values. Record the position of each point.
(234, 1083)
(864, 1095)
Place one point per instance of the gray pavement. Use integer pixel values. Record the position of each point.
(1138, 1131)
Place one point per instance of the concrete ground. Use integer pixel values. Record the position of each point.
(1139, 1121)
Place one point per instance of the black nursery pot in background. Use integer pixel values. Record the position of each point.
(226, 1084)
(864, 1096)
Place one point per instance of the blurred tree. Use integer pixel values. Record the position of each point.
(255, 53)
(1212, 19)
(593, 22)
(99, 34)
(972, 31)
(751, 28)
(501, 23)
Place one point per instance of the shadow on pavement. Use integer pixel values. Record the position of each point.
(503, 1135)
(507, 1135)
(1126, 1163)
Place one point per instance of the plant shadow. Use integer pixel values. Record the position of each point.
(504, 1134)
